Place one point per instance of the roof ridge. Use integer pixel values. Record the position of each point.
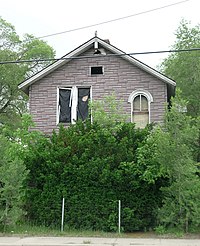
(83, 47)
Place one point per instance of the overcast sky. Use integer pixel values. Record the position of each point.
(150, 31)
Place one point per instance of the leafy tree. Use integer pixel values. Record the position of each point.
(184, 67)
(14, 146)
(169, 153)
(12, 173)
(108, 111)
(92, 166)
(12, 48)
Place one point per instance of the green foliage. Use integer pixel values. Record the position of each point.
(12, 175)
(152, 171)
(92, 167)
(160, 230)
(12, 48)
(169, 152)
(184, 67)
(14, 146)
(108, 111)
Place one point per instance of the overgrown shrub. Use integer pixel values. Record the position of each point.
(92, 167)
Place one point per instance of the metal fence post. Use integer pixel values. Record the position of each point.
(63, 211)
(119, 217)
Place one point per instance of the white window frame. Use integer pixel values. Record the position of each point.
(144, 93)
(73, 101)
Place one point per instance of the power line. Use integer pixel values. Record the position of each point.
(113, 20)
(98, 56)
(92, 25)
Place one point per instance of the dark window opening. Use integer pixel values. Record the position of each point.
(83, 99)
(64, 103)
(73, 104)
(96, 70)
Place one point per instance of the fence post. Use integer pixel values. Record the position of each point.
(119, 217)
(63, 210)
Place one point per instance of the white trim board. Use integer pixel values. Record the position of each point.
(76, 52)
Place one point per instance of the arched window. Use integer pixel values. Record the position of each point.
(140, 107)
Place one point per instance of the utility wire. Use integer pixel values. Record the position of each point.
(113, 20)
(98, 56)
(92, 25)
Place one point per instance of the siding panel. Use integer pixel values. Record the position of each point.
(119, 76)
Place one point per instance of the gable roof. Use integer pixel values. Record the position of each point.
(81, 49)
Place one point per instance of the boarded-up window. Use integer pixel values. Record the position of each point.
(73, 104)
(83, 99)
(140, 114)
(64, 105)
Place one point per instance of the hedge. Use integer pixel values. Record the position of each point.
(92, 167)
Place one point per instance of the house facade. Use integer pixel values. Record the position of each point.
(60, 93)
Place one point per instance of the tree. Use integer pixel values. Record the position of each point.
(170, 153)
(12, 48)
(14, 146)
(92, 167)
(181, 206)
(184, 67)
(12, 175)
(108, 112)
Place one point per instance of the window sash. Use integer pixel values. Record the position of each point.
(140, 119)
(140, 111)
(140, 103)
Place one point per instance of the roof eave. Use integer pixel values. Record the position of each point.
(65, 59)
(24, 85)
(137, 63)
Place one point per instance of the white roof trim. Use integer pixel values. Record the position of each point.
(138, 63)
(55, 65)
(84, 47)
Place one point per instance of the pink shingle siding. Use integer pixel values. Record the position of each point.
(119, 76)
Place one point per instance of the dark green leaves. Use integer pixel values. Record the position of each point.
(92, 167)
(12, 48)
(184, 67)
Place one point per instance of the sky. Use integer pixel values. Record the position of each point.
(148, 31)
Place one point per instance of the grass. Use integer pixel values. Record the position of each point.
(32, 230)
(177, 232)
(27, 230)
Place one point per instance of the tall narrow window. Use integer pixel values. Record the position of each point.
(140, 107)
(64, 106)
(83, 99)
(140, 113)
(73, 104)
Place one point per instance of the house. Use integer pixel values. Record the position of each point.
(61, 91)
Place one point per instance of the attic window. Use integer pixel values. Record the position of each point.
(96, 70)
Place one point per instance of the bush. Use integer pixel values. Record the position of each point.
(92, 167)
